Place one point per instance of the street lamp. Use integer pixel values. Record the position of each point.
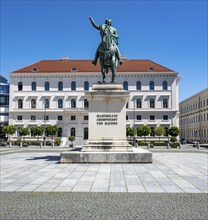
(44, 137)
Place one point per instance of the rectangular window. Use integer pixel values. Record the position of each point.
(165, 117)
(60, 118)
(73, 117)
(46, 117)
(127, 117)
(19, 117)
(33, 117)
(152, 117)
(85, 117)
(139, 117)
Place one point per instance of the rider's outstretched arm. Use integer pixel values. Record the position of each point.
(94, 24)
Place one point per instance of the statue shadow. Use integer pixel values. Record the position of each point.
(46, 158)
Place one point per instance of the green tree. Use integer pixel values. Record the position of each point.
(173, 131)
(9, 130)
(38, 131)
(130, 132)
(143, 130)
(159, 131)
(24, 132)
(52, 131)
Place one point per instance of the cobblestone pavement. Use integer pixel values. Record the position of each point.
(66, 205)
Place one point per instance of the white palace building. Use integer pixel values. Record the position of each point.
(52, 92)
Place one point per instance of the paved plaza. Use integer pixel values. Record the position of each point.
(34, 185)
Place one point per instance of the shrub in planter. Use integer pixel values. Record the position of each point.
(141, 143)
(175, 144)
(152, 144)
(71, 138)
(57, 141)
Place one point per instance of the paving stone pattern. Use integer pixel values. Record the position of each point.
(42, 172)
(89, 206)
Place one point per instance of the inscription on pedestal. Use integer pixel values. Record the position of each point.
(107, 119)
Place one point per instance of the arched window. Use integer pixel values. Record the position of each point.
(125, 85)
(60, 103)
(46, 103)
(138, 103)
(86, 104)
(165, 103)
(85, 133)
(86, 85)
(20, 86)
(60, 86)
(165, 85)
(32, 131)
(151, 85)
(152, 103)
(73, 132)
(59, 132)
(138, 85)
(33, 86)
(73, 103)
(73, 86)
(152, 132)
(20, 103)
(18, 132)
(33, 103)
(47, 86)
(166, 131)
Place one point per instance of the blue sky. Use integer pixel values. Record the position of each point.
(172, 33)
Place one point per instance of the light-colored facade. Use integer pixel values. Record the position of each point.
(194, 117)
(55, 91)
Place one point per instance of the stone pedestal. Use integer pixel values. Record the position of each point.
(107, 119)
(107, 130)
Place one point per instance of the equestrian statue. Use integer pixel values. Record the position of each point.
(107, 51)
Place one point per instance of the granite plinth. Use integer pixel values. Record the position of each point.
(138, 155)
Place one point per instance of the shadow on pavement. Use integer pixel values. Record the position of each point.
(47, 158)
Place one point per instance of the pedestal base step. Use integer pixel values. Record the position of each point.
(136, 156)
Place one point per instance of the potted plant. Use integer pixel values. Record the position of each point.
(72, 139)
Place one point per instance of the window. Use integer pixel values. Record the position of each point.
(138, 85)
(152, 85)
(85, 117)
(19, 118)
(60, 118)
(85, 133)
(20, 103)
(33, 103)
(33, 118)
(165, 117)
(127, 105)
(86, 85)
(32, 131)
(127, 117)
(46, 117)
(60, 103)
(86, 104)
(138, 103)
(20, 86)
(33, 86)
(165, 103)
(73, 132)
(152, 103)
(73, 86)
(125, 85)
(46, 103)
(73, 118)
(73, 103)
(166, 131)
(165, 85)
(59, 132)
(152, 117)
(152, 132)
(47, 86)
(139, 117)
(60, 86)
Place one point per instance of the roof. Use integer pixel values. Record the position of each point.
(67, 65)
